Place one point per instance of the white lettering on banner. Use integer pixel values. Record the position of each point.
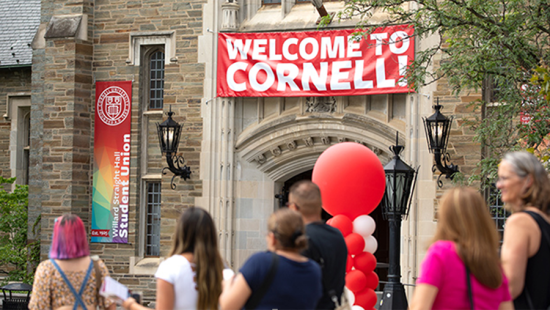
(259, 50)
(358, 77)
(310, 73)
(237, 47)
(332, 49)
(318, 63)
(284, 79)
(286, 49)
(337, 75)
(399, 37)
(378, 37)
(352, 46)
(381, 75)
(253, 77)
(286, 73)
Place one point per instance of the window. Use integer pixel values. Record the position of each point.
(156, 80)
(272, 1)
(496, 208)
(152, 229)
(19, 113)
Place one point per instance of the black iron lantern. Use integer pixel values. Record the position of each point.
(169, 136)
(438, 128)
(400, 183)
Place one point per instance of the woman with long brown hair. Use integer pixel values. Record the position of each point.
(461, 269)
(191, 278)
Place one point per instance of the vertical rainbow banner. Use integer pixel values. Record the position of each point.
(111, 185)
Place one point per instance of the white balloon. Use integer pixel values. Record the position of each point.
(349, 295)
(364, 225)
(356, 307)
(371, 245)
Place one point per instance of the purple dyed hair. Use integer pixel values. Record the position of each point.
(69, 238)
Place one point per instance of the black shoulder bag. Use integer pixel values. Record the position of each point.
(257, 296)
(469, 283)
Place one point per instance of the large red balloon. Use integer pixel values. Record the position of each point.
(355, 243)
(356, 281)
(366, 298)
(351, 179)
(366, 262)
(372, 280)
(343, 223)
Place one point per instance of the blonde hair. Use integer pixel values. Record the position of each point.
(196, 233)
(289, 230)
(463, 217)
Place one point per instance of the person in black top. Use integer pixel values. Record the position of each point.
(326, 245)
(525, 188)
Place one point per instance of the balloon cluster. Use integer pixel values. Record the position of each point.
(352, 183)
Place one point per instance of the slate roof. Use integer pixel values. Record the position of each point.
(19, 21)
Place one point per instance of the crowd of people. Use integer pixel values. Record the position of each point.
(304, 266)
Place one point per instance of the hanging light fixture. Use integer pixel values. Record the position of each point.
(169, 136)
(400, 183)
(438, 128)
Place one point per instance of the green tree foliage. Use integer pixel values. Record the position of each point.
(481, 42)
(17, 258)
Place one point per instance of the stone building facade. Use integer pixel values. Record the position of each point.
(241, 151)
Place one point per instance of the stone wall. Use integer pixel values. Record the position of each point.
(64, 75)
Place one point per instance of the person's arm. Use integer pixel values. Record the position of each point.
(132, 304)
(506, 305)
(423, 297)
(165, 295)
(515, 251)
(235, 293)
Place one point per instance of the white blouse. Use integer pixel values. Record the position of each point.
(177, 271)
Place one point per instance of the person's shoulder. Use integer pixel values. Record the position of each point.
(320, 228)
(442, 247)
(174, 261)
(261, 256)
(521, 220)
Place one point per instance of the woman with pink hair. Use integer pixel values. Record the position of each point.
(70, 278)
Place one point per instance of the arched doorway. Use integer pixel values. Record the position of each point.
(382, 228)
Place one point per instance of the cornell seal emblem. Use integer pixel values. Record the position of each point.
(113, 106)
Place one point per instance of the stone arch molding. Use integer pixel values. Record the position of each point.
(290, 145)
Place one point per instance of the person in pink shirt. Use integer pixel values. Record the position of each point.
(465, 246)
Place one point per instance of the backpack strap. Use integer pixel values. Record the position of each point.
(469, 283)
(257, 296)
(78, 295)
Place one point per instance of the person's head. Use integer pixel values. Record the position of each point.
(305, 197)
(196, 233)
(523, 181)
(69, 238)
(286, 231)
(463, 217)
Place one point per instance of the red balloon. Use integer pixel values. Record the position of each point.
(351, 179)
(372, 280)
(355, 243)
(356, 281)
(343, 223)
(366, 262)
(349, 264)
(366, 298)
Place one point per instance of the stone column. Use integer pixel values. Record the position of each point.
(66, 115)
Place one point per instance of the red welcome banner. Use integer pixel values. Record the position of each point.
(111, 178)
(314, 63)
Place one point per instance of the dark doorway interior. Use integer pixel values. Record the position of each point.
(381, 233)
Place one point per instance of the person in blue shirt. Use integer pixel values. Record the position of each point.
(296, 281)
